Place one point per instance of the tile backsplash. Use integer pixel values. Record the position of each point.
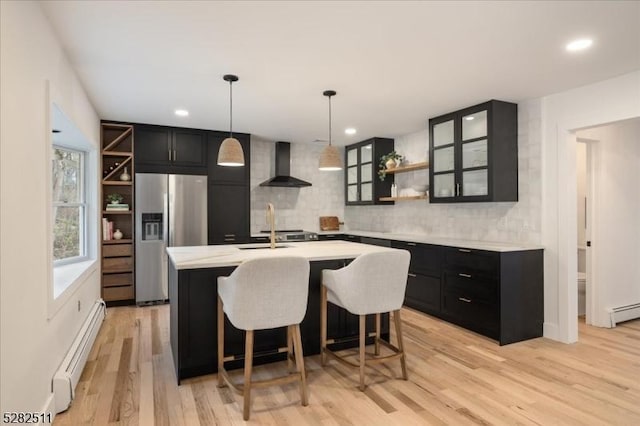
(506, 222)
(300, 208)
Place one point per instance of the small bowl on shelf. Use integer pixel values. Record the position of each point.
(420, 188)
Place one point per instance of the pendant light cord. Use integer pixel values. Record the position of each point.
(329, 120)
(230, 109)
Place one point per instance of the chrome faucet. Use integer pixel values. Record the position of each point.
(271, 220)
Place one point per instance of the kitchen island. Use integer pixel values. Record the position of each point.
(193, 274)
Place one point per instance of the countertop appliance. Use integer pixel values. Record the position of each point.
(293, 235)
(171, 211)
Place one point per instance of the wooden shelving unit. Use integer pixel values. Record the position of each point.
(409, 168)
(118, 260)
(405, 198)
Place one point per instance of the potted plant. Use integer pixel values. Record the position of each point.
(388, 161)
(114, 198)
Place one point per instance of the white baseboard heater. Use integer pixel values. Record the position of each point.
(624, 313)
(68, 374)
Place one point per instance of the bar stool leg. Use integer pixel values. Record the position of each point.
(248, 364)
(403, 359)
(290, 345)
(220, 343)
(377, 341)
(362, 344)
(323, 325)
(297, 342)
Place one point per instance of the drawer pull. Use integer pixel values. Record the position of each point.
(412, 275)
(229, 235)
(411, 244)
(229, 239)
(464, 299)
(464, 275)
(464, 250)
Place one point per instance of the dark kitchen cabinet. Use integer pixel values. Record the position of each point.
(228, 216)
(424, 280)
(161, 149)
(226, 174)
(497, 294)
(362, 185)
(473, 154)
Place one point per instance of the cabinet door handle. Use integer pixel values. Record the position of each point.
(169, 155)
(464, 250)
(464, 299)
(464, 275)
(411, 244)
(457, 189)
(412, 275)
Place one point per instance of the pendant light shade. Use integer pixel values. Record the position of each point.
(330, 157)
(230, 153)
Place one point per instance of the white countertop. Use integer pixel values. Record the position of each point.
(232, 255)
(452, 242)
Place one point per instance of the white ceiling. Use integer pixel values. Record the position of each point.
(393, 64)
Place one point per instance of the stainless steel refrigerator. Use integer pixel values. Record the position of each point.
(171, 211)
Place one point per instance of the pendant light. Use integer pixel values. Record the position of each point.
(330, 157)
(230, 153)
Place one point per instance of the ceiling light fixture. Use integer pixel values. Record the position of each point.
(350, 131)
(230, 153)
(581, 44)
(469, 117)
(330, 157)
(181, 112)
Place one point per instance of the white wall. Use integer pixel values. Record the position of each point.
(506, 222)
(33, 346)
(615, 216)
(563, 113)
(581, 171)
(296, 208)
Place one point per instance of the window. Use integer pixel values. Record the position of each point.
(69, 206)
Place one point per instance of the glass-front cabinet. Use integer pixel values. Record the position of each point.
(362, 185)
(474, 154)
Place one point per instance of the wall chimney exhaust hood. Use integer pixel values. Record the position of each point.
(283, 177)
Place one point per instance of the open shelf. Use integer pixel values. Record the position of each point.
(409, 168)
(405, 198)
(120, 241)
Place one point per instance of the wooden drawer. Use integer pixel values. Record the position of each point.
(473, 314)
(473, 260)
(423, 293)
(117, 264)
(473, 287)
(110, 294)
(426, 259)
(114, 280)
(114, 250)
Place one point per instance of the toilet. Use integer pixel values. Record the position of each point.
(582, 293)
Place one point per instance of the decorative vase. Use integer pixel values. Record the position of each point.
(391, 164)
(125, 176)
(117, 235)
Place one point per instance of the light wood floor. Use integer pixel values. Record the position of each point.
(455, 378)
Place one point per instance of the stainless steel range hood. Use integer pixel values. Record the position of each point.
(283, 177)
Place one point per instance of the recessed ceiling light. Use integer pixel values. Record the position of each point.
(469, 117)
(580, 44)
(350, 131)
(182, 112)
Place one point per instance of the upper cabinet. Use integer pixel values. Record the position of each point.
(161, 149)
(473, 154)
(362, 185)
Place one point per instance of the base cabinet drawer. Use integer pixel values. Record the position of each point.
(118, 293)
(117, 250)
(473, 260)
(117, 264)
(115, 280)
(423, 293)
(474, 314)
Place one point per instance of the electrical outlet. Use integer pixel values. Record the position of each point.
(78, 306)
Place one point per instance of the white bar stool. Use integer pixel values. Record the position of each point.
(373, 283)
(263, 294)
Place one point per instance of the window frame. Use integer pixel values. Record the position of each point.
(82, 204)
